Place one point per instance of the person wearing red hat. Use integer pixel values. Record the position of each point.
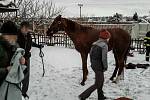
(98, 58)
(104, 34)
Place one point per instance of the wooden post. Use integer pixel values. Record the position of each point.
(66, 40)
(38, 39)
(33, 26)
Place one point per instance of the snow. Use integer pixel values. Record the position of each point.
(5, 2)
(64, 74)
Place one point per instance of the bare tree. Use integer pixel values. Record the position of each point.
(49, 10)
(135, 17)
(34, 9)
(18, 2)
(38, 9)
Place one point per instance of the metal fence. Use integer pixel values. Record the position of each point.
(138, 45)
(62, 40)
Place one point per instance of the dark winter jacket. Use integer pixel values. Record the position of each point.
(98, 55)
(147, 39)
(11, 87)
(6, 53)
(26, 43)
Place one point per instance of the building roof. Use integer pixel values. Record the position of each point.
(5, 9)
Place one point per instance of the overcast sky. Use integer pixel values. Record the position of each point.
(104, 7)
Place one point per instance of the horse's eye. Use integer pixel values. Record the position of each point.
(59, 22)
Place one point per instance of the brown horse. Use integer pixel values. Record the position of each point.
(83, 37)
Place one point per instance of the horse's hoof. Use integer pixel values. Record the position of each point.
(82, 83)
(111, 78)
(114, 82)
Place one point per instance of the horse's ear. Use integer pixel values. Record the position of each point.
(58, 17)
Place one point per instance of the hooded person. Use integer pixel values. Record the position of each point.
(98, 58)
(11, 63)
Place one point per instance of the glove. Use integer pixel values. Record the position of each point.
(27, 55)
(104, 69)
(41, 46)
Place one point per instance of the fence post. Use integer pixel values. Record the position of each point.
(38, 39)
(66, 40)
(35, 39)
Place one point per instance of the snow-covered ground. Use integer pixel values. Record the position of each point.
(64, 74)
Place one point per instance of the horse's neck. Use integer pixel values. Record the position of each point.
(72, 28)
(74, 31)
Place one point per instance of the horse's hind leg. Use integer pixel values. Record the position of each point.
(84, 67)
(122, 62)
(121, 71)
(116, 68)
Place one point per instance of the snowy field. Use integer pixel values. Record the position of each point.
(64, 74)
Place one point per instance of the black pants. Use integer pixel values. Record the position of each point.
(147, 53)
(99, 81)
(25, 82)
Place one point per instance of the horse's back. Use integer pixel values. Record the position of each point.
(119, 34)
(120, 40)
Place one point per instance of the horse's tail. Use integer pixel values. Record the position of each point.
(128, 50)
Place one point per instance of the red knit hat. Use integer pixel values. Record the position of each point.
(104, 34)
(123, 98)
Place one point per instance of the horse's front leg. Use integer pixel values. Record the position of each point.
(116, 67)
(84, 67)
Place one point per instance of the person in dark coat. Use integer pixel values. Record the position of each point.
(98, 58)
(4, 59)
(8, 46)
(25, 42)
(147, 44)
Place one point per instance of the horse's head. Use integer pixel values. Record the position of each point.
(58, 24)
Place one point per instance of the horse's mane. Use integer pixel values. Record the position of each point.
(74, 25)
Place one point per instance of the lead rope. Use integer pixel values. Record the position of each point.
(41, 54)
